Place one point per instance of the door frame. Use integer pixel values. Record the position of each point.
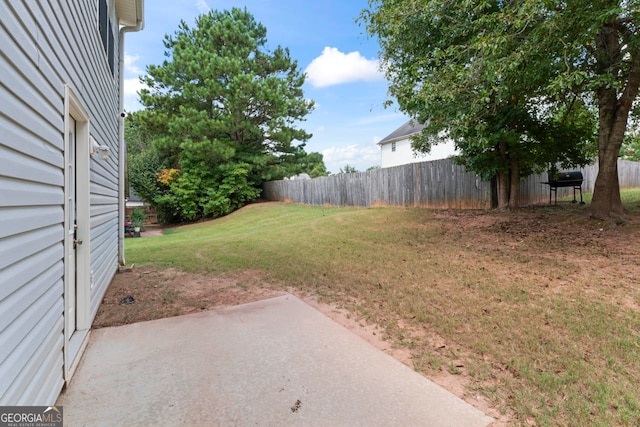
(80, 277)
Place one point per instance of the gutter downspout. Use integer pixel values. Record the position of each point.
(121, 144)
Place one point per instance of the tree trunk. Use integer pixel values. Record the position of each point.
(612, 122)
(606, 194)
(503, 179)
(514, 196)
(503, 190)
(613, 113)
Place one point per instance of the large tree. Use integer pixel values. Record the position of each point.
(517, 78)
(152, 177)
(465, 70)
(598, 44)
(223, 108)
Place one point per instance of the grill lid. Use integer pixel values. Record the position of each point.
(567, 176)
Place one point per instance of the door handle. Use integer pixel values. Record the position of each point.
(76, 242)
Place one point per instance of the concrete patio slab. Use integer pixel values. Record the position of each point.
(276, 362)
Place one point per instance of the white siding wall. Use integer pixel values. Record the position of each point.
(43, 46)
(404, 154)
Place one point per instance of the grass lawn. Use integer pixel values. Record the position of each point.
(538, 309)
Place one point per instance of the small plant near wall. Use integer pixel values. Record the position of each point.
(138, 218)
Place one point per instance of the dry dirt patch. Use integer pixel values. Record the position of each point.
(147, 293)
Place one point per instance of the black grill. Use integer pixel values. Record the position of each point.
(565, 179)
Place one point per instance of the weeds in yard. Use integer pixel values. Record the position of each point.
(242, 285)
(425, 361)
(168, 296)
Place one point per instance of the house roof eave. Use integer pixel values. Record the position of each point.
(399, 138)
(130, 12)
(403, 132)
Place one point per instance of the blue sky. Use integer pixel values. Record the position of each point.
(340, 60)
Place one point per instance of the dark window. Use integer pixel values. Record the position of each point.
(393, 146)
(111, 50)
(106, 32)
(103, 18)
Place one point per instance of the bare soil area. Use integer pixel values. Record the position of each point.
(147, 293)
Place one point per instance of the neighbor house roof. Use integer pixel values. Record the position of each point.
(409, 128)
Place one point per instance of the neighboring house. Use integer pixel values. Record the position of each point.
(395, 149)
(134, 201)
(61, 183)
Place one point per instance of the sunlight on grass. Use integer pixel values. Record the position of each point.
(542, 334)
(630, 198)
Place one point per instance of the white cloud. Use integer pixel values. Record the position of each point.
(132, 86)
(333, 67)
(202, 6)
(359, 156)
(130, 66)
(131, 99)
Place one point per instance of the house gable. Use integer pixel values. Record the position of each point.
(396, 150)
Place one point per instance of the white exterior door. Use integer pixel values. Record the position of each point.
(72, 227)
(77, 244)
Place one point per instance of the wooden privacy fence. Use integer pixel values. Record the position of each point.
(438, 184)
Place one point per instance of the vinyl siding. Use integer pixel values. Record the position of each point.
(43, 46)
(404, 154)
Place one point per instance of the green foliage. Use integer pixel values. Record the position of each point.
(143, 160)
(348, 169)
(494, 77)
(318, 168)
(136, 133)
(631, 147)
(221, 111)
(297, 162)
(143, 170)
(212, 182)
(595, 48)
(138, 217)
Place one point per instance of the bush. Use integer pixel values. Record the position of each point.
(138, 217)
